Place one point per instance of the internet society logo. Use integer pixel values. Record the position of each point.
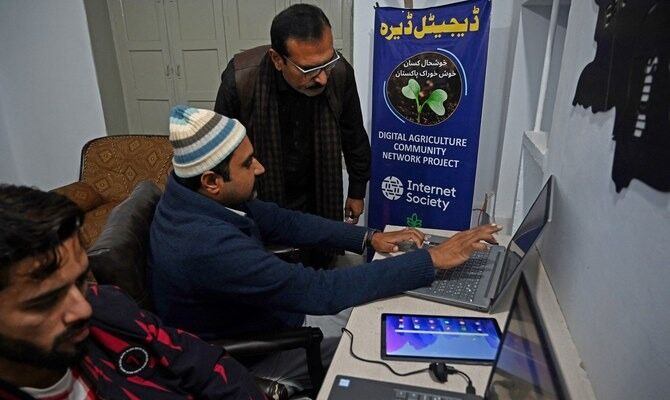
(392, 188)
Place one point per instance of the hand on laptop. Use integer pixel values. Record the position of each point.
(460, 247)
(386, 242)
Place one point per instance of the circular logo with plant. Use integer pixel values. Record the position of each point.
(425, 89)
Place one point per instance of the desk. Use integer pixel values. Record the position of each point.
(365, 324)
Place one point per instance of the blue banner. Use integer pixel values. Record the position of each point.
(428, 87)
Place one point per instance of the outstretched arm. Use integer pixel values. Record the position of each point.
(448, 254)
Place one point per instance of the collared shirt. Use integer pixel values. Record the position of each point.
(296, 113)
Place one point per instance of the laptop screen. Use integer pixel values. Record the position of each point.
(527, 233)
(525, 367)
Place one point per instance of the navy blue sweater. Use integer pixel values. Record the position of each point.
(210, 273)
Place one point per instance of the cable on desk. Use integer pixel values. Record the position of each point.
(351, 351)
(450, 370)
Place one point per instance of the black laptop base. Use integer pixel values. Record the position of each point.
(349, 387)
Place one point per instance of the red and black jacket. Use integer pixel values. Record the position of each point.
(132, 356)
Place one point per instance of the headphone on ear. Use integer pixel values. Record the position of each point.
(438, 370)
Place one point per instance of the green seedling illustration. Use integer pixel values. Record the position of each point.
(435, 99)
(414, 221)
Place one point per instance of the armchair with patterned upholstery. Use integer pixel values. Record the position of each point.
(110, 168)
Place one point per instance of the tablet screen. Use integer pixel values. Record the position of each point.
(440, 338)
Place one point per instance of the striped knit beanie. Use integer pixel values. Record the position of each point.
(201, 139)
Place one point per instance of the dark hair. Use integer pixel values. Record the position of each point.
(222, 168)
(34, 223)
(303, 22)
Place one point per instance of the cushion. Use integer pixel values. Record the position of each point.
(94, 221)
(114, 165)
(119, 255)
(81, 193)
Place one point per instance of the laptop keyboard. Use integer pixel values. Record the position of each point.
(461, 282)
(349, 387)
(419, 395)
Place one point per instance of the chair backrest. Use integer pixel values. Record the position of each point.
(119, 255)
(113, 165)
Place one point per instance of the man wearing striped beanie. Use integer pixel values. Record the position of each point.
(203, 142)
(209, 270)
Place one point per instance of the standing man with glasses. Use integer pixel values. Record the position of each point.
(299, 102)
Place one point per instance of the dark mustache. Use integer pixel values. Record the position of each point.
(73, 330)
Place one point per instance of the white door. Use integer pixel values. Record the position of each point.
(339, 13)
(248, 22)
(141, 40)
(198, 49)
(173, 51)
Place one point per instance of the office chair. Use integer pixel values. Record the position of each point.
(119, 257)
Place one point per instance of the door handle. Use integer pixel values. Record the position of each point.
(179, 70)
(168, 70)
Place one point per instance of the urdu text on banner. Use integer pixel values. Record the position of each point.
(428, 87)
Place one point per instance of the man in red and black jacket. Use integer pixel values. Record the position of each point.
(62, 340)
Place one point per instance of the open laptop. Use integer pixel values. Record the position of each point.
(480, 282)
(525, 366)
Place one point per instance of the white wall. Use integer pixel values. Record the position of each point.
(7, 167)
(106, 66)
(50, 100)
(606, 253)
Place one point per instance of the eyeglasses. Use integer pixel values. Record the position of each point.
(311, 73)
